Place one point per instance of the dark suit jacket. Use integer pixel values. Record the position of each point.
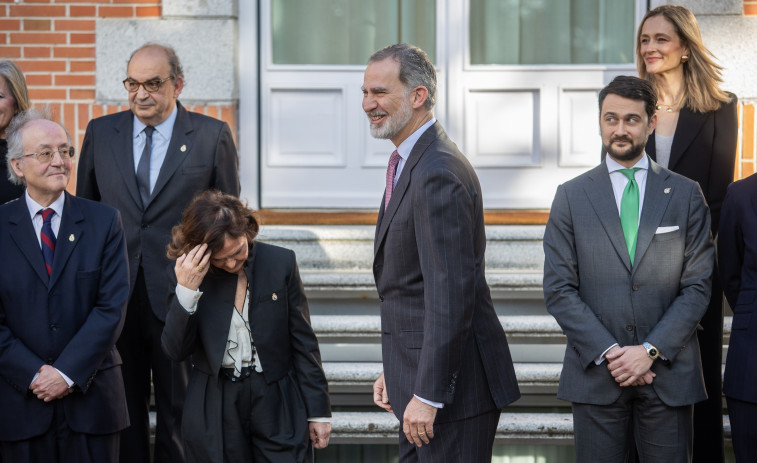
(441, 338)
(599, 299)
(737, 256)
(704, 150)
(280, 329)
(200, 156)
(70, 320)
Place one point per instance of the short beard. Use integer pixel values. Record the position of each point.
(394, 123)
(631, 153)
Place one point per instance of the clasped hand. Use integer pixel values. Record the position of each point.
(49, 384)
(630, 365)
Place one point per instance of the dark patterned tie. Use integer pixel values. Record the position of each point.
(48, 238)
(143, 168)
(391, 172)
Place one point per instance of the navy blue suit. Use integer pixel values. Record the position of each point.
(69, 320)
(737, 255)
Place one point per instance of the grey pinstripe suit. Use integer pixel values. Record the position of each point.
(441, 338)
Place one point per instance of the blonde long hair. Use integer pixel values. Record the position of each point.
(701, 74)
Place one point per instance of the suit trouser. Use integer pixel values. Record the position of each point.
(743, 417)
(60, 444)
(663, 434)
(143, 360)
(469, 440)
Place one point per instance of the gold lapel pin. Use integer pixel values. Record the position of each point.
(667, 190)
(274, 297)
(183, 148)
(71, 237)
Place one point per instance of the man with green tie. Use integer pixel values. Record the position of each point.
(627, 274)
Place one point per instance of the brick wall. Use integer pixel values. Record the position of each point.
(750, 7)
(53, 42)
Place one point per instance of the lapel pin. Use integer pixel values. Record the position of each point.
(71, 237)
(183, 148)
(667, 190)
(274, 297)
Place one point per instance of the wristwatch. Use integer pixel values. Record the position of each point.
(652, 351)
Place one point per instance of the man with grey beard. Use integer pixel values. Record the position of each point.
(447, 365)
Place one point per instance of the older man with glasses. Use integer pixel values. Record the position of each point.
(149, 162)
(63, 298)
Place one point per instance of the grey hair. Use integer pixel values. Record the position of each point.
(171, 56)
(416, 69)
(15, 137)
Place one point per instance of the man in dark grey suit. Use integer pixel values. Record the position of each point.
(149, 162)
(447, 365)
(627, 274)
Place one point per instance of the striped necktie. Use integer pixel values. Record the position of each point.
(391, 172)
(48, 238)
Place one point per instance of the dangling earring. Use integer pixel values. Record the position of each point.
(684, 58)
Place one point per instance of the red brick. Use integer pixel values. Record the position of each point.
(20, 11)
(83, 39)
(3, 38)
(148, 11)
(97, 111)
(82, 116)
(69, 116)
(10, 24)
(38, 37)
(74, 25)
(37, 1)
(82, 1)
(10, 52)
(80, 11)
(750, 9)
(36, 52)
(37, 24)
(41, 94)
(747, 169)
(74, 52)
(79, 94)
(41, 65)
(82, 66)
(115, 11)
(65, 80)
(137, 1)
(39, 79)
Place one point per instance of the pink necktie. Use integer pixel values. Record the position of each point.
(391, 170)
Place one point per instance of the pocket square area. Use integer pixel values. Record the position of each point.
(661, 230)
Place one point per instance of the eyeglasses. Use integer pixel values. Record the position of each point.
(151, 86)
(46, 155)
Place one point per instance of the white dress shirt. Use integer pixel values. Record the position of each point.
(161, 137)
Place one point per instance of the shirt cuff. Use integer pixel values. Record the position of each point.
(320, 419)
(428, 402)
(63, 375)
(601, 358)
(188, 298)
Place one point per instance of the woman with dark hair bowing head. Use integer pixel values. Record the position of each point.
(257, 391)
(14, 98)
(696, 137)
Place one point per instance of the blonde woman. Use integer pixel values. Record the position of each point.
(695, 137)
(14, 98)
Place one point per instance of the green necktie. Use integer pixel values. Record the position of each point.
(629, 211)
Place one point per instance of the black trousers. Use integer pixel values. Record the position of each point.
(743, 429)
(464, 441)
(144, 363)
(60, 444)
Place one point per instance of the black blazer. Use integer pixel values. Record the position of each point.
(737, 255)
(704, 150)
(441, 338)
(280, 324)
(70, 320)
(200, 156)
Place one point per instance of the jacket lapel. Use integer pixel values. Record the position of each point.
(655, 203)
(22, 233)
(178, 149)
(219, 290)
(70, 234)
(428, 137)
(689, 125)
(602, 199)
(122, 149)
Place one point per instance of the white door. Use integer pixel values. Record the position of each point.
(517, 92)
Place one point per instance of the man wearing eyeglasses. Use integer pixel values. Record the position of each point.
(63, 295)
(149, 162)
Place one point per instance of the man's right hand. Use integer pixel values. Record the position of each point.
(380, 397)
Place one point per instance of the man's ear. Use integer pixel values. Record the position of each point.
(16, 167)
(420, 93)
(652, 122)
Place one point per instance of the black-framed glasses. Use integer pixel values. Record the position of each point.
(151, 86)
(47, 154)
